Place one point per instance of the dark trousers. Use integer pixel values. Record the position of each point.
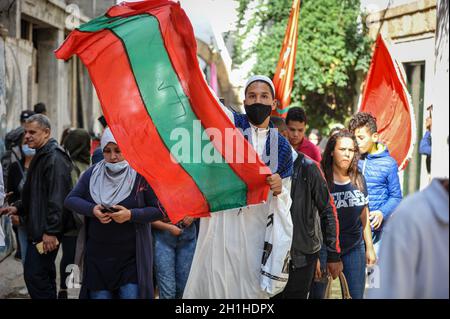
(69, 245)
(299, 282)
(19, 250)
(40, 273)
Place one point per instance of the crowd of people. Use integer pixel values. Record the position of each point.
(339, 192)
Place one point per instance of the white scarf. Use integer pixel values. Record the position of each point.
(108, 187)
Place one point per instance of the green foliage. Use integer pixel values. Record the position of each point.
(332, 48)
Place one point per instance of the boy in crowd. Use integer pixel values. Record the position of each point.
(296, 122)
(379, 170)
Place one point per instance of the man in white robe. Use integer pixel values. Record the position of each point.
(230, 245)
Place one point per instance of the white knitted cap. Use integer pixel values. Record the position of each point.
(262, 78)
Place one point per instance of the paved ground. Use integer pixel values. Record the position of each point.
(12, 285)
(12, 279)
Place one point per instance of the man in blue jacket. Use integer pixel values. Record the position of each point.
(380, 171)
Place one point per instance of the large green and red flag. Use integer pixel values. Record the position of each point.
(142, 60)
(386, 97)
(284, 73)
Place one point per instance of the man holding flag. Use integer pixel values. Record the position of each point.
(150, 85)
(227, 260)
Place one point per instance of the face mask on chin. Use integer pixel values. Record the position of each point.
(27, 151)
(257, 113)
(116, 167)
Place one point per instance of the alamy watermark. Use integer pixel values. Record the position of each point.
(73, 19)
(213, 146)
(73, 280)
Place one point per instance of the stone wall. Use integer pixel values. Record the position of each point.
(406, 21)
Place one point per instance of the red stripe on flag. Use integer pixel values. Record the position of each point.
(121, 99)
(180, 44)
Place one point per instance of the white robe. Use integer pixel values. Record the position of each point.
(230, 245)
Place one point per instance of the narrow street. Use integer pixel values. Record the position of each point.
(12, 284)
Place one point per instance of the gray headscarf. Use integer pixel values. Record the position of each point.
(109, 187)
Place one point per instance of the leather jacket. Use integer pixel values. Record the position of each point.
(313, 213)
(48, 182)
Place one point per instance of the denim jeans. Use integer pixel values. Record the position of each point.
(23, 240)
(354, 262)
(376, 239)
(128, 291)
(376, 236)
(173, 259)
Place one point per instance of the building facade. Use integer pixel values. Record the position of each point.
(409, 28)
(29, 71)
(30, 31)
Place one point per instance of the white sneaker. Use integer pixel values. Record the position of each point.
(23, 291)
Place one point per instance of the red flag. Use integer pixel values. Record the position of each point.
(385, 96)
(284, 74)
(141, 57)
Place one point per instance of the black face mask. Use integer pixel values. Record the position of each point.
(258, 112)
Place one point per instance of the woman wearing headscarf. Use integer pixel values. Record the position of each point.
(119, 206)
(77, 143)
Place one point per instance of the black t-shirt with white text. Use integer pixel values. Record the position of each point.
(350, 202)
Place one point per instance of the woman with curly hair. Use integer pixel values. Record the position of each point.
(349, 191)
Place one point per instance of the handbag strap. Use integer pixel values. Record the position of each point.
(328, 289)
(344, 287)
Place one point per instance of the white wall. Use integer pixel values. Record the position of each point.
(18, 57)
(415, 51)
(440, 149)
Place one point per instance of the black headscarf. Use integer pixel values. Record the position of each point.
(78, 143)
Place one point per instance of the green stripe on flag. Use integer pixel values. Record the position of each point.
(170, 108)
(282, 111)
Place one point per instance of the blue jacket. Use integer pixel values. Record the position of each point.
(380, 171)
(425, 144)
